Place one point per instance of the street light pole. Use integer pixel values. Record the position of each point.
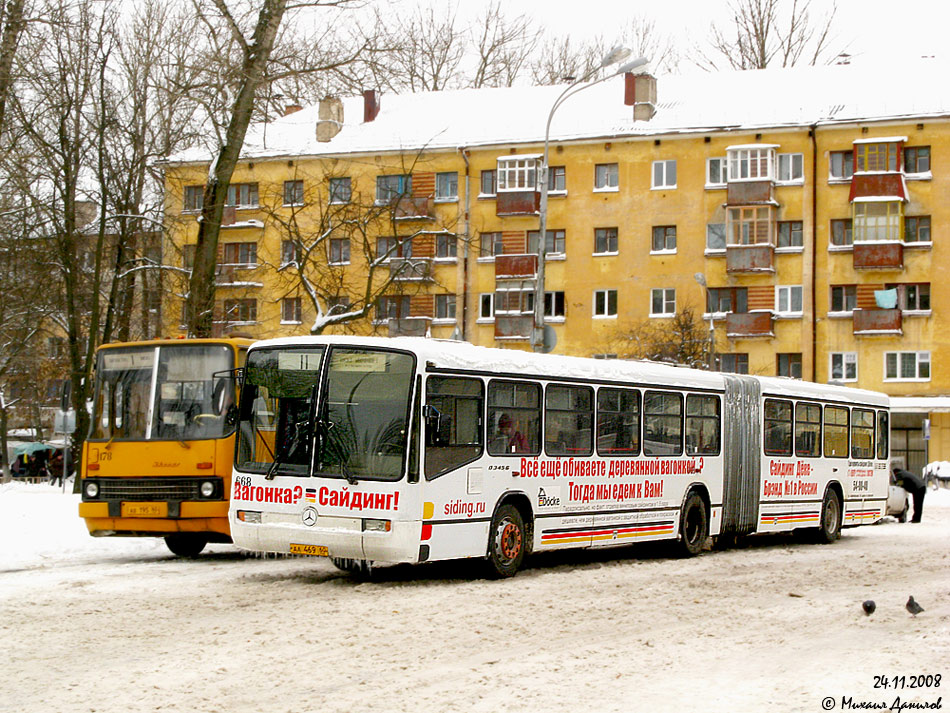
(701, 279)
(615, 55)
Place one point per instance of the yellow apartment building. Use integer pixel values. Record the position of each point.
(801, 213)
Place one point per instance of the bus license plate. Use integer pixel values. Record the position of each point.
(144, 510)
(312, 550)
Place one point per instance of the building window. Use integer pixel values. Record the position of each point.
(916, 159)
(517, 174)
(392, 307)
(290, 310)
(293, 192)
(554, 304)
(732, 363)
(788, 300)
(391, 188)
(664, 238)
(557, 179)
(339, 251)
(715, 172)
(553, 243)
(188, 256)
(844, 298)
(791, 168)
(664, 174)
(389, 247)
(790, 234)
(341, 190)
(875, 156)
(445, 307)
(715, 237)
(486, 305)
(841, 232)
(605, 241)
(844, 366)
(242, 195)
(912, 297)
(606, 176)
(288, 252)
(491, 244)
(906, 366)
(662, 302)
(841, 165)
(240, 253)
(194, 198)
(447, 186)
(489, 183)
(751, 164)
(789, 365)
(338, 305)
(605, 303)
(877, 220)
(244, 310)
(514, 297)
(446, 246)
(749, 226)
(917, 229)
(720, 300)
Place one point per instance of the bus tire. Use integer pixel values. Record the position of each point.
(829, 528)
(186, 544)
(506, 542)
(694, 525)
(902, 517)
(361, 569)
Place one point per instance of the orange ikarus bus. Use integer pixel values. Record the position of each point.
(158, 459)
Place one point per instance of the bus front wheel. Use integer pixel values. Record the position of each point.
(506, 544)
(694, 525)
(186, 545)
(829, 528)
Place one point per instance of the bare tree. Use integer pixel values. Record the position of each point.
(762, 33)
(682, 340)
(502, 47)
(12, 20)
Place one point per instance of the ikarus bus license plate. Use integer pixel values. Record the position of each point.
(311, 550)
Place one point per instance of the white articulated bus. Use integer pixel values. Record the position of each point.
(412, 450)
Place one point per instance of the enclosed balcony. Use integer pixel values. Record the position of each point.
(878, 256)
(411, 269)
(513, 326)
(750, 258)
(870, 322)
(413, 208)
(408, 326)
(749, 324)
(507, 266)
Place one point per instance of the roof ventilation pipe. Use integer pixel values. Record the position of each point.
(329, 119)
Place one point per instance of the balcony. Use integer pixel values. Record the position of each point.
(526, 202)
(750, 258)
(408, 326)
(869, 322)
(516, 266)
(741, 193)
(878, 256)
(412, 208)
(745, 325)
(514, 327)
(410, 269)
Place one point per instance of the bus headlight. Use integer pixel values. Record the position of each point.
(207, 489)
(370, 525)
(91, 489)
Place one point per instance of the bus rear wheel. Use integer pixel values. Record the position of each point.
(506, 542)
(186, 544)
(694, 525)
(829, 528)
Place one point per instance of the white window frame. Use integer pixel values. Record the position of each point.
(444, 181)
(295, 319)
(616, 240)
(847, 166)
(847, 359)
(294, 184)
(751, 163)
(723, 171)
(784, 298)
(486, 299)
(517, 173)
(716, 251)
(920, 358)
(342, 241)
(663, 174)
(449, 304)
(790, 168)
(610, 180)
(525, 289)
(605, 313)
(549, 309)
(667, 298)
(334, 186)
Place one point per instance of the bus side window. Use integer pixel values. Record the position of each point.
(836, 431)
(807, 430)
(777, 439)
(862, 433)
(568, 420)
(662, 424)
(883, 434)
(702, 425)
(453, 418)
(514, 418)
(618, 422)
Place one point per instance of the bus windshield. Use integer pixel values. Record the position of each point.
(360, 427)
(164, 392)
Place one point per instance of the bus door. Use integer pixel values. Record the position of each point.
(742, 448)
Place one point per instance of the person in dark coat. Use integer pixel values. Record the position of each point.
(915, 486)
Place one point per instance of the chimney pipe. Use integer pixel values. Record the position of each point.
(291, 109)
(370, 105)
(329, 119)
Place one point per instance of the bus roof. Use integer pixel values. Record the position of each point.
(451, 355)
(167, 341)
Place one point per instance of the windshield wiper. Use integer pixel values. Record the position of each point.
(327, 427)
(282, 452)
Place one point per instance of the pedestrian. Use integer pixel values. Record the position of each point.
(915, 486)
(56, 469)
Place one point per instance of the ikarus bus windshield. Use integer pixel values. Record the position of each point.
(353, 424)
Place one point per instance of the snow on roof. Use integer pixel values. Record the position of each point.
(920, 404)
(690, 102)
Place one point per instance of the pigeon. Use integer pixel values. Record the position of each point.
(869, 606)
(912, 606)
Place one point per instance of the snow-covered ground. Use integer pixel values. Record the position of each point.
(121, 625)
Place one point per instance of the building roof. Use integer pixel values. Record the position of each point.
(694, 101)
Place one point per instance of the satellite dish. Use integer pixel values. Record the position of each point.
(548, 339)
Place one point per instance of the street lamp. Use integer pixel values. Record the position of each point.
(701, 279)
(615, 55)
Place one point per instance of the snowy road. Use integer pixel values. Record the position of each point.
(120, 625)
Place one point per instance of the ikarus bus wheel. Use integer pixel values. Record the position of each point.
(694, 525)
(506, 542)
(186, 544)
(829, 527)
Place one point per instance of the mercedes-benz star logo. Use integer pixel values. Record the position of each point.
(309, 517)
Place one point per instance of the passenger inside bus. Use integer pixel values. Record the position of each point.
(507, 438)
